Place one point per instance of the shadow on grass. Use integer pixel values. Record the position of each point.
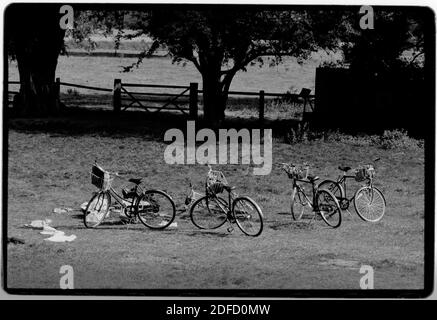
(77, 121)
(295, 225)
(203, 233)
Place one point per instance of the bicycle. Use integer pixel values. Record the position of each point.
(192, 196)
(369, 201)
(323, 202)
(211, 211)
(154, 208)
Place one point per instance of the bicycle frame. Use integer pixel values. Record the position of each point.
(341, 180)
(228, 209)
(119, 199)
(314, 190)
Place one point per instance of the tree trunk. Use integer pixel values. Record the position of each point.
(38, 94)
(215, 98)
(36, 41)
(213, 101)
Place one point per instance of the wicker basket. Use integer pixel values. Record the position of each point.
(100, 178)
(215, 182)
(364, 173)
(299, 172)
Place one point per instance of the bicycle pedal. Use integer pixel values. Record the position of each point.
(230, 229)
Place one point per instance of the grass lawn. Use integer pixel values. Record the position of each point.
(48, 169)
(101, 72)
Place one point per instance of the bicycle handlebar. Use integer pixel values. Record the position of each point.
(110, 172)
(369, 164)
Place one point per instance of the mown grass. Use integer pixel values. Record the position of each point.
(101, 72)
(48, 167)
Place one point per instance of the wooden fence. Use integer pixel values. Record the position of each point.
(185, 100)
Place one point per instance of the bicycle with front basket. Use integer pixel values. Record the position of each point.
(154, 208)
(212, 211)
(323, 202)
(369, 201)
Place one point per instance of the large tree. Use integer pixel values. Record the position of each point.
(35, 39)
(223, 40)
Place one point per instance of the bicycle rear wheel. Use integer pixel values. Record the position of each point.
(97, 209)
(334, 187)
(370, 204)
(209, 213)
(328, 207)
(248, 216)
(299, 204)
(155, 209)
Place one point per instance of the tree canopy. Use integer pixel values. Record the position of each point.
(220, 41)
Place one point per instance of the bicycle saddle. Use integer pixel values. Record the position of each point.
(229, 188)
(136, 180)
(343, 168)
(313, 178)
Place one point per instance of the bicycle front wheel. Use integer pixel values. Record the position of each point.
(370, 204)
(97, 209)
(155, 209)
(328, 207)
(300, 204)
(248, 216)
(209, 213)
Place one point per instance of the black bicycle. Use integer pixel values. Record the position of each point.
(211, 211)
(369, 201)
(323, 203)
(154, 208)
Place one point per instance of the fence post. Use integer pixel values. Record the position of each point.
(261, 107)
(116, 99)
(193, 100)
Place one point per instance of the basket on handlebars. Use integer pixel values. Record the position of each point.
(363, 173)
(215, 182)
(100, 178)
(299, 172)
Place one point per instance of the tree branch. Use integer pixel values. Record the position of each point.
(195, 62)
(416, 56)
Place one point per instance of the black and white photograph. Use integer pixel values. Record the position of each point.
(223, 150)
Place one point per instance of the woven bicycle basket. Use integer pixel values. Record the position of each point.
(215, 182)
(363, 173)
(298, 172)
(100, 178)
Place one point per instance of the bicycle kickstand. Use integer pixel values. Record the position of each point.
(230, 228)
(313, 218)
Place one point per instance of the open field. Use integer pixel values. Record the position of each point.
(49, 168)
(101, 72)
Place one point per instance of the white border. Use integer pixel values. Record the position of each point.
(4, 4)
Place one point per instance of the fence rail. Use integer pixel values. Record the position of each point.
(84, 87)
(189, 95)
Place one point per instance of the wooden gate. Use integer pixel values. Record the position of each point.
(183, 99)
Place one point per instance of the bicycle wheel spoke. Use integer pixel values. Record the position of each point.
(300, 206)
(209, 213)
(96, 210)
(369, 204)
(328, 208)
(247, 216)
(155, 210)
